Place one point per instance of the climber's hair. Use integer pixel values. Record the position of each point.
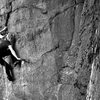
(10, 37)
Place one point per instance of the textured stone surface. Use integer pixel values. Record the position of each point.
(61, 41)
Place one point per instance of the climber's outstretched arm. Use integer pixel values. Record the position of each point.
(13, 52)
(1, 36)
(3, 29)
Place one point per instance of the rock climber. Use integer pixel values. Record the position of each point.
(6, 49)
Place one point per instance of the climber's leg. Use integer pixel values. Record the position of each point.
(13, 60)
(9, 70)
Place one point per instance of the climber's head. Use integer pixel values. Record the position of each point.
(10, 37)
(2, 31)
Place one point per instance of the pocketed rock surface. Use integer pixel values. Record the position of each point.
(61, 41)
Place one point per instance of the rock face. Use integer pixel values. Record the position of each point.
(61, 41)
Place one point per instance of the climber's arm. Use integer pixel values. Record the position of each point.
(3, 29)
(1, 36)
(13, 52)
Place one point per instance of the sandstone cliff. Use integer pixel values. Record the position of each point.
(61, 41)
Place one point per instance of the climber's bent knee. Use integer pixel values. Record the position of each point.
(2, 62)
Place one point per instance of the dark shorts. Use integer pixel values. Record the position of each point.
(4, 51)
